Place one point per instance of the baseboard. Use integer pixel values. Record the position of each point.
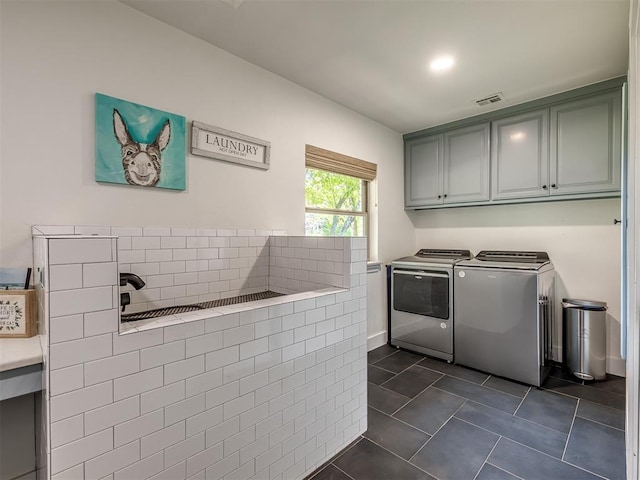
(617, 366)
(376, 340)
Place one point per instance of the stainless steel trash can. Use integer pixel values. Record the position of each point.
(584, 338)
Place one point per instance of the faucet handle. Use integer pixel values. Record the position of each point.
(125, 299)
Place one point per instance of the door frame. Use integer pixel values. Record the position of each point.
(630, 235)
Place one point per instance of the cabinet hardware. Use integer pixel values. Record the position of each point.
(445, 195)
(616, 221)
(553, 185)
(544, 187)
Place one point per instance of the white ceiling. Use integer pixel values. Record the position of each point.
(372, 56)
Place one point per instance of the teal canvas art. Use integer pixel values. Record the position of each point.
(139, 145)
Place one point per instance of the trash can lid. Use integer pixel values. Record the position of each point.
(583, 304)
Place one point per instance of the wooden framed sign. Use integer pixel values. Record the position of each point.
(18, 313)
(221, 144)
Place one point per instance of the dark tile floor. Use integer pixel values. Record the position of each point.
(432, 420)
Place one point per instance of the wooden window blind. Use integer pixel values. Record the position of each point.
(322, 159)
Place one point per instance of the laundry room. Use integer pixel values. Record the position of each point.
(212, 197)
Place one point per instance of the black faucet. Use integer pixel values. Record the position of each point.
(131, 278)
(135, 281)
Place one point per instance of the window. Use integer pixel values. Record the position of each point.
(336, 205)
(336, 194)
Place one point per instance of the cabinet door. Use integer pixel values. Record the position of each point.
(466, 164)
(586, 139)
(423, 171)
(520, 156)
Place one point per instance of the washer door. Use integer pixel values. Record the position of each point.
(421, 292)
(420, 313)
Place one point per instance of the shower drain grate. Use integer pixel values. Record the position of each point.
(163, 312)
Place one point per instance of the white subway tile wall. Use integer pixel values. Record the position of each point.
(269, 393)
(299, 264)
(188, 265)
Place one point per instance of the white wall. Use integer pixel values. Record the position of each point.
(56, 55)
(579, 237)
(377, 316)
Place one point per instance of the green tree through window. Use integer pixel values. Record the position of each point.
(335, 204)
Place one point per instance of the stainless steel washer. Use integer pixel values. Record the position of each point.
(502, 314)
(421, 312)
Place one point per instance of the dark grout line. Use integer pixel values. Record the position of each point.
(602, 391)
(487, 458)
(520, 404)
(386, 356)
(342, 471)
(380, 368)
(401, 421)
(403, 459)
(522, 419)
(573, 420)
(585, 470)
(338, 455)
(586, 399)
(455, 376)
(397, 393)
(440, 428)
(600, 423)
(503, 470)
(555, 458)
(410, 398)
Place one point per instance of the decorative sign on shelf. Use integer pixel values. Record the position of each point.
(221, 144)
(17, 313)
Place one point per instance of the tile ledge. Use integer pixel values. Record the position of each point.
(206, 314)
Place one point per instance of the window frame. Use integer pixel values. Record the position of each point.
(325, 160)
(364, 200)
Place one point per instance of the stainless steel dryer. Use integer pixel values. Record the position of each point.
(421, 301)
(502, 314)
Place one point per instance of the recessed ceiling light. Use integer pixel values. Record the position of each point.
(442, 63)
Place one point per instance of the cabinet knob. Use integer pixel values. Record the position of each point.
(439, 196)
(544, 187)
(445, 195)
(553, 185)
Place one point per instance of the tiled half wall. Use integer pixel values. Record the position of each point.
(182, 266)
(266, 393)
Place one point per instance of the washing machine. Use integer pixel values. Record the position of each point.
(503, 306)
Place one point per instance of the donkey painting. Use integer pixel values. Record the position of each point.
(141, 162)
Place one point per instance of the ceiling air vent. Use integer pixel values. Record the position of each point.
(490, 100)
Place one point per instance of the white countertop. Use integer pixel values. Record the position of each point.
(19, 352)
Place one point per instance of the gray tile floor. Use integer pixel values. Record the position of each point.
(432, 420)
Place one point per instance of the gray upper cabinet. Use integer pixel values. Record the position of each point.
(586, 145)
(466, 164)
(448, 168)
(564, 147)
(520, 156)
(423, 167)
